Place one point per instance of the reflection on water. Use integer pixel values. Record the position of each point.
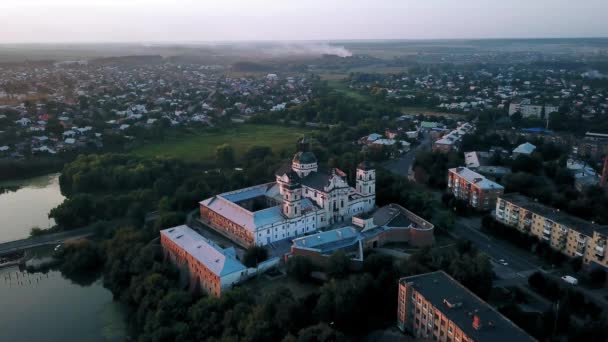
(25, 204)
(48, 307)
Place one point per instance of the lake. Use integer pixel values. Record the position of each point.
(28, 206)
(49, 307)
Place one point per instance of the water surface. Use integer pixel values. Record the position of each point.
(28, 206)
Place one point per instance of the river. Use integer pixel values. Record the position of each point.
(48, 306)
(28, 206)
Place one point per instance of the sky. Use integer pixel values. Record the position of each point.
(67, 21)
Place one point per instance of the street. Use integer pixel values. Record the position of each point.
(402, 165)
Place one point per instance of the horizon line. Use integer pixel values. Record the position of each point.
(228, 41)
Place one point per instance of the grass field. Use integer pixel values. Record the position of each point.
(201, 147)
(342, 88)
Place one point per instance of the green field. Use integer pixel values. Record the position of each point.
(201, 146)
(342, 88)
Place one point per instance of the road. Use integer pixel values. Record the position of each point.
(402, 165)
(47, 239)
(520, 263)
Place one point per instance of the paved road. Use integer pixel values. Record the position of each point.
(48, 239)
(402, 165)
(520, 263)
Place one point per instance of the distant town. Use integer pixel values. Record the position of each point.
(450, 195)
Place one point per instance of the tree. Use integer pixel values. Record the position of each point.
(338, 264)
(299, 267)
(597, 276)
(254, 256)
(321, 332)
(224, 155)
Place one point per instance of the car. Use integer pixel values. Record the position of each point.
(503, 262)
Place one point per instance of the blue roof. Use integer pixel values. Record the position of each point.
(537, 130)
(525, 148)
(329, 240)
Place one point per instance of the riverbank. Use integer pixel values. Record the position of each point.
(27, 205)
(61, 309)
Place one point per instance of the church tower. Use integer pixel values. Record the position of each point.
(292, 197)
(366, 179)
(304, 162)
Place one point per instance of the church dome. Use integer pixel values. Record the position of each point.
(305, 158)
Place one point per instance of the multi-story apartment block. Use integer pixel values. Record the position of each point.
(478, 191)
(572, 236)
(434, 306)
(452, 140)
(527, 109)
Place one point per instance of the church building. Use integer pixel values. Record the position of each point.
(302, 199)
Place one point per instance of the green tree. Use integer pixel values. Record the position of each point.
(224, 155)
(254, 256)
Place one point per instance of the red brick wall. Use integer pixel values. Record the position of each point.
(199, 274)
(228, 227)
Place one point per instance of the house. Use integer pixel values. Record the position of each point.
(525, 149)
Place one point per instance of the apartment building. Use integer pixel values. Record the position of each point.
(452, 140)
(434, 306)
(470, 186)
(527, 109)
(572, 236)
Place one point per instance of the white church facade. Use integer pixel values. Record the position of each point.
(300, 201)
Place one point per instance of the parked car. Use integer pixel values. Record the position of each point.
(570, 280)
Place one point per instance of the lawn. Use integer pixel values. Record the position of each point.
(201, 146)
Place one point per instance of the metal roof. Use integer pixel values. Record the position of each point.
(438, 287)
(219, 261)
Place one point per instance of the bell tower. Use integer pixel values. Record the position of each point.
(366, 179)
(292, 197)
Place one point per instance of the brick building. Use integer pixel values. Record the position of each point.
(209, 268)
(434, 306)
(391, 223)
(570, 235)
(473, 188)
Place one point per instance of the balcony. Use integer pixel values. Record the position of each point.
(546, 238)
(600, 251)
(547, 231)
(581, 240)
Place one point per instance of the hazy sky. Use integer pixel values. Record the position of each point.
(24, 21)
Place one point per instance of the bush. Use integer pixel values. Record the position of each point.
(254, 256)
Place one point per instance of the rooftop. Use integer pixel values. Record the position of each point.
(554, 215)
(326, 242)
(475, 178)
(525, 148)
(438, 287)
(219, 261)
